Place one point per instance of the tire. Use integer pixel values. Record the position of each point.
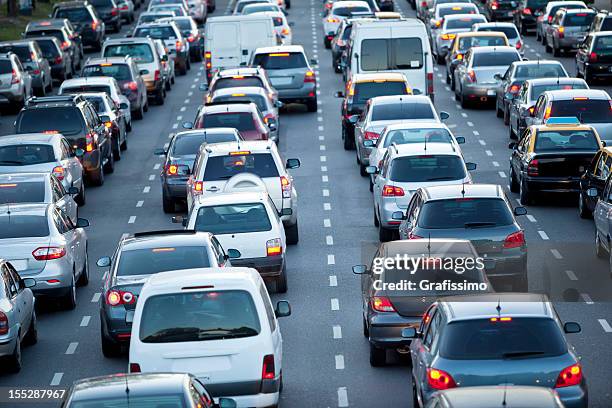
(366, 331)
(498, 112)
(146, 105)
(583, 210)
(168, 86)
(378, 356)
(556, 51)
(69, 300)
(600, 252)
(160, 97)
(168, 204)
(42, 91)
(109, 348)
(50, 86)
(327, 43)
(506, 117)
(362, 171)
(448, 79)
(31, 336)
(183, 70)
(547, 47)
(588, 78)
(311, 105)
(97, 178)
(139, 113)
(280, 283)
(415, 398)
(347, 141)
(384, 234)
(13, 362)
(80, 198)
(524, 195)
(514, 184)
(292, 234)
(376, 223)
(463, 101)
(511, 134)
(117, 150)
(440, 60)
(109, 167)
(124, 145)
(188, 64)
(84, 278)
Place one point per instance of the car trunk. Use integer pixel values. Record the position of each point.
(569, 165)
(250, 244)
(409, 306)
(486, 240)
(32, 168)
(18, 251)
(287, 78)
(132, 284)
(6, 77)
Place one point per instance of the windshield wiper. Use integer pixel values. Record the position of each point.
(478, 224)
(228, 333)
(18, 163)
(518, 354)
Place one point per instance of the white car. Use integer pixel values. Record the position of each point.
(217, 324)
(260, 8)
(512, 34)
(198, 10)
(339, 11)
(281, 26)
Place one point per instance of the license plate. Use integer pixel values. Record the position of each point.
(129, 317)
(490, 92)
(20, 264)
(509, 14)
(281, 81)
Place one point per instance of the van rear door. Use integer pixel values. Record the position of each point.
(407, 51)
(224, 53)
(255, 34)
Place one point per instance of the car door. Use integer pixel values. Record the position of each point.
(16, 308)
(412, 215)
(596, 176)
(71, 163)
(69, 234)
(538, 113)
(379, 178)
(603, 213)
(520, 154)
(103, 134)
(420, 347)
(24, 298)
(361, 123)
(277, 340)
(64, 200)
(582, 53)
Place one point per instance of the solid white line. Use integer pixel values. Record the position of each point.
(339, 362)
(329, 240)
(502, 174)
(335, 304)
(139, 203)
(489, 153)
(556, 254)
(72, 348)
(495, 164)
(327, 223)
(342, 397)
(337, 331)
(324, 179)
(157, 166)
(57, 379)
(323, 158)
(571, 275)
(96, 297)
(85, 321)
(605, 325)
(323, 169)
(146, 190)
(333, 280)
(587, 299)
(132, 219)
(447, 88)
(331, 259)
(325, 192)
(543, 235)
(530, 218)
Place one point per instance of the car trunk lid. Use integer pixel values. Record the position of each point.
(563, 165)
(18, 251)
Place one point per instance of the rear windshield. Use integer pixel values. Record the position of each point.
(61, 119)
(139, 52)
(258, 100)
(23, 226)
(22, 51)
(539, 71)
(256, 8)
(447, 11)
(183, 24)
(232, 82)
(189, 144)
(538, 90)
(564, 140)
(86, 88)
(199, 316)
(148, 261)
(579, 19)
(243, 4)
(280, 60)
(22, 192)
(367, 90)
(554, 9)
(400, 111)
(152, 17)
(537, 4)
(465, 22)
(5, 66)
(101, 3)
(493, 59)
(224, 167)
(469, 42)
(606, 25)
(48, 48)
(165, 400)
(386, 54)
(416, 169)
(347, 11)
(121, 72)
(25, 155)
(178, 10)
(588, 111)
(603, 44)
(162, 33)
(518, 338)
(46, 33)
(420, 135)
(97, 103)
(233, 219)
(510, 32)
(243, 121)
(465, 213)
(74, 14)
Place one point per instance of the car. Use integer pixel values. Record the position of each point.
(339, 11)
(15, 83)
(18, 188)
(479, 76)
(359, 90)
(281, 26)
(211, 5)
(216, 164)
(153, 16)
(260, 8)
(388, 307)
(239, 77)
(17, 316)
(497, 10)
(41, 152)
(444, 9)
(168, 2)
(76, 119)
(167, 64)
(551, 158)
(170, 33)
(125, 70)
(240, 4)
(175, 389)
(480, 213)
(602, 21)
(601, 215)
(515, 337)
(59, 59)
(113, 119)
(339, 44)
(568, 29)
(239, 304)
(488, 396)
(41, 242)
(242, 115)
(385, 5)
(108, 10)
(191, 33)
(290, 72)
(509, 29)
(33, 61)
(516, 74)
(522, 105)
(179, 9)
(62, 30)
(452, 25)
(382, 111)
(138, 257)
(85, 20)
(198, 10)
(180, 158)
(126, 10)
(258, 96)
(545, 19)
(426, 9)
(144, 52)
(593, 182)
(593, 57)
(407, 167)
(249, 222)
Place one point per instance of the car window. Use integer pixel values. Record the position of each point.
(65, 222)
(565, 140)
(22, 192)
(427, 168)
(66, 120)
(233, 219)
(224, 167)
(121, 72)
(366, 90)
(511, 32)
(141, 53)
(22, 51)
(58, 189)
(75, 14)
(464, 22)
(76, 89)
(480, 41)
(578, 19)
(23, 226)
(417, 135)
(603, 44)
(157, 32)
(492, 59)
(25, 155)
(280, 60)
(238, 81)
(539, 71)
(147, 261)
(258, 100)
(586, 110)
(189, 144)
(537, 90)
(136, 401)
(400, 111)
(347, 11)
(243, 121)
(462, 212)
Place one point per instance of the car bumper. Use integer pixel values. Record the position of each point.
(176, 189)
(512, 263)
(90, 37)
(180, 60)
(153, 87)
(8, 97)
(553, 184)
(602, 70)
(501, 14)
(91, 161)
(482, 92)
(58, 71)
(307, 91)
(570, 42)
(113, 324)
(573, 397)
(256, 400)
(364, 153)
(386, 329)
(387, 207)
(268, 267)
(52, 271)
(529, 22)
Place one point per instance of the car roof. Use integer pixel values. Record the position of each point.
(577, 10)
(463, 191)
(228, 72)
(29, 138)
(112, 386)
(602, 33)
(418, 149)
(128, 40)
(562, 126)
(515, 396)
(239, 197)
(538, 62)
(48, 38)
(370, 77)
(484, 306)
(349, 3)
(24, 177)
(49, 22)
(427, 246)
(559, 80)
(496, 24)
(451, 5)
(204, 131)
(391, 99)
(280, 48)
(256, 146)
(227, 278)
(481, 33)
(249, 90)
(416, 125)
(153, 239)
(493, 48)
(25, 208)
(461, 16)
(109, 60)
(25, 41)
(565, 94)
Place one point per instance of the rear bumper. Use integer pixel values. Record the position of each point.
(176, 189)
(576, 396)
(7, 344)
(60, 271)
(570, 42)
(386, 329)
(553, 184)
(268, 267)
(483, 93)
(113, 325)
(153, 87)
(507, 265)
(600, 70)
(501, 14)
(307, 91)
(385, 211)
(8, 97)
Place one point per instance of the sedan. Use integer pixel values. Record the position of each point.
(453, 25)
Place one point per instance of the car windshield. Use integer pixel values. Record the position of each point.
(537, 90)
(347, 11)
(540, 71)
(233, 219)
(280, 60)
(417, 135)
(494, 59)
(139, 52)
(135, 401)
(400, 111)
(578, 19)
(23, 226)
(22, 191)
(189, 144)
(86, 88)
(258, 100)
(148, 261)
(603, 44)
(121, 72)
(465, 212)
(162, 33)
(65, 120)
(26, 155)
(224, 167)
(466, 43)
(199, 316)
(586, 110)
(238, 81)
(78, 15)
(6, 67)
(22, 51)
(564, 140)
(511, 32)
(464, 22)
(517, 338)
(243, 121)
(432, 168)
(366, 90)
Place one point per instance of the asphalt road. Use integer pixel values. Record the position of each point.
(325, 355)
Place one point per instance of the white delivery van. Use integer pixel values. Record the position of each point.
(230, 40)
(393, 46)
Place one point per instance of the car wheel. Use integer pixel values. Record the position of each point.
(384, 234)
(161, 95)
(42, 91)
(524, 195)
(183, 69)
(376, 223)
(511, 134)
(109, 167)
(124, 144)
(13, 362)
(600, 252)
(146, 105)
(547, 47)
(292, 234)
(139, 114)
(311, 105)
(84, 278)
(462, 100)
(506, 116)
(448, 78)
(109, 348)
(168, 86)
(538, 36)
(327, 43)
(117, 150)
(583, 210)
(362, 171)
(69, 300)
(97, 177)
(498, 112)
(378, 356)
(348, 145)
(371, 185)
(514, 184)
(31, 336)
(415, 398)
(80, 198)
(587, 76)
(168, 203)
(366, 331)
(280, 283)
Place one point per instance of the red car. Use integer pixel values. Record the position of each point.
(245, 117)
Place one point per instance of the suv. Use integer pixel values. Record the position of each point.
(568, 30)
(216, 164)
(169, 32)
(239, 77)
(602, 22)
(127, 74)
(144, 52)
(59, 59)
(63, 30)
(593, 59)
(85, 20)
(526, 14)
(544, 21)
(108, 10)
(33, 60)
(77, 120)
(15, 82)
(191, 32)
(242, 115)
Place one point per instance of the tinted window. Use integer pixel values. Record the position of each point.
(492, 59)
(420, 135)
(374, 55)
(447, 11)
(174, 401)
(367, 90)
(224, 167)
(183, 24)
(539, 71)
(74, 14)
(509, 31)
(579, 19)
(280, 60)
(537, 90)
(190, 144)
(233, 219)
(243, 4)
(139, 52)
(23, 226)
(23, 155)
(243, 121)
(121, 72)
(22, 51)
(152, 17)
(483, 339)
(603, 44)
(5, 66)
(397, 111)
(258, 100)
(427, 168)
(46, 33)
(259, 8)
(85, 88)
(564, 140)
(606, 25)
(163, 32)
(347, 32)
(67, 120)
(460, 212)
(199, 316)
(347, 11)
(148, 261)
(469, 42)
(98, 103)
(408, 54)
(22, 192)
(588, 111)
(465, 22)
(101, 3)
(48, 48)
(230, 82)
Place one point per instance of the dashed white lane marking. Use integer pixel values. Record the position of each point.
(57, 379)
(470, 124)
(175, 126)
(323, 158)
(489, 153)
(195, 79)
(342, 397)
(331, 259)
(495, 164)
(436, 69)
(329, 240)
(321, 137)
(186, 101)
(157, 166)
(146, 189)
(605, 325)
(183, 109)
(319, 118)
(543, 235)
(72, 348)
(447, 88)
(530, 218)
(322, 147)
(132, 219)
(190, 93)
(571, 275)
(327, 223)
(324, 179)
(327, 206)
(139, 203)
(335, 304)
(179, 118)
(482, 142)
(556, 254)
(85, 321)
(323, 169)
(464, 114)
(502, 174)
(587, 299)
(151, 177)
(193, 86)
(333, 280)
(337, 330)
(96, 297)
(339, 362)
(321, 128)
(538, 54)
(325, 192)
(476, 133)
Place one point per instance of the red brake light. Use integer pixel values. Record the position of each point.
(392, 191)
(569, 376)
(527, 11)
(532, 168)
(191, 38)
(592, 57)
(65, 45)
(547, 112)
(114, 11)
(119, 297)
(514, 89)
(514, 240)
(382, 304)
(58, 171)
(4, 325)
(48, 253)
(94, 25)
(471, 75)
(494, 5)
(157, 75)
(371, 135)
(134, 368)
(15, 79)
(198, 187)
(550, 18)
(439, 380)
(58, 59)
(500, 319)
(519, 45)
(268, 371)
(430, 83)
(423, 4)
(132, 86)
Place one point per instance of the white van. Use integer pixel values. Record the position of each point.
(230, 40)
(393, 46)
(217, 324)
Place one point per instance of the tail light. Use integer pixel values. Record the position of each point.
(119, 297)
(114, 11)
(285, 31)
(561, 32)
(94, 25)
(527, 11)
(438, 23)
(514, 89)
(423, 4)
(515, 240)
(157, 75)
(65, 45)
(48, 253)
(333, 20)
(592, 57)
(439, 379)
(132, 86)
(531, 110)
(413, 236)
(124, 7)
(459, 57)
(58, 171)
(208, 59)
(134, 368)
(569, 376)
(108, 124)
(36, 72)
(58, 59)
(198, 187)
(171, 170)
(532, 168)
(340, 42)
(328, 5)
(273, 247)
(179, 45)
(268, 118)
(191, 38)
(430, 84)
(15, 78)
(519, 45)
(285, 186)
(547, 112)
(550, 19)
(310, 77)
(448, 36)
(371, 135)
(4, 324)
(89, 143)
(382, 304)
(267, 370)
(494, 5)
(392, 191)
(471, 76)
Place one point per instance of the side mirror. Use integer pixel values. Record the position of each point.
(105, 118)
(371, 170)
(368, 143)
(353, 119)
(203, 87)
(233, 253)
(470, 166)
(292, 163)
(314, 61)
(73, 190)
(28, 282)
(124, 106)
(512, 145)
(283, 309)
(339, 94)
(518, 211)
(592, 192)
(498, 77)
(360, 269)
(571, 328)
(160, 152)
(226, 403)
(79, 152)
(279, 104)
(82, 223)
(187, 125)
(104, 262)
(460, 139)
(444, 115)
(409, 333)
(398, 216)
(144, 71)
(416, 91)
(272, 126)
(285, 211)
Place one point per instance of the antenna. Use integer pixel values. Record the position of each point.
(504, 400)
(127, 391)
(463, 188)
(498, 307)
(429, 245)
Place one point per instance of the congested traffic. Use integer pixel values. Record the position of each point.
(249, 203)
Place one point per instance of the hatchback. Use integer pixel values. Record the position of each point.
(85, 20)
(58, 28)
(452, 25)
(243, 116)
(113, 118)
(484, 396)
(33, 61)
(594, 57)
(15, 83)
(568, 30)
(169, 32)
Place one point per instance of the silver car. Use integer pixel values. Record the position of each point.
(17, 316)
(551, 9)
(509, 29)
(479, 76)
(126, 10)
(34, 61)
(41, 242)
(453, 24)
(15, 83)
(40, 152)
(568, 29)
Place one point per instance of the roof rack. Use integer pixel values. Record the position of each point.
(163, 232)
(57, 99)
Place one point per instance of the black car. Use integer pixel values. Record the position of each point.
(526, 14)
(385, 5)
(191, 33)
(85, 20)
(142, 390)
(594, 57)
(595, 177)
(339, 44)
(497, 10)
(77, 120)
(108, 10)
(59, 58)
